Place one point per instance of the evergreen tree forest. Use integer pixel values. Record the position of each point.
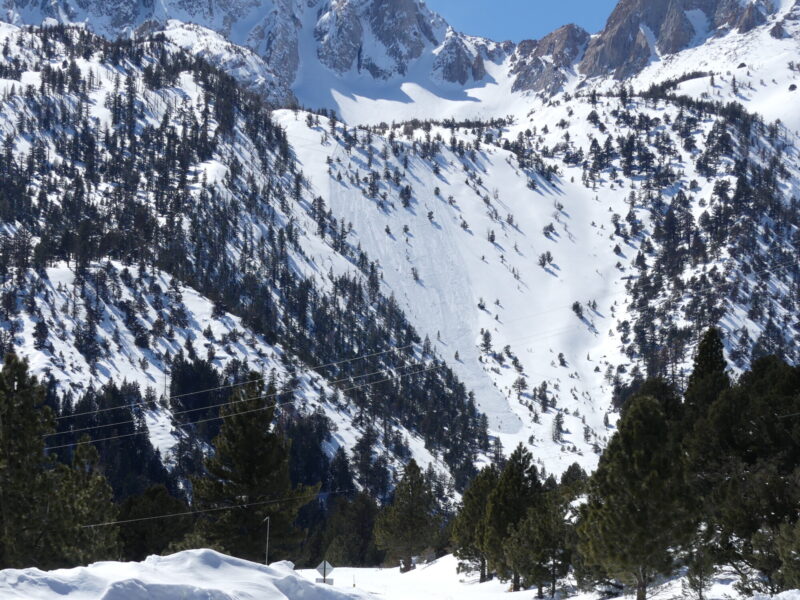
(691, 483)
(121, 206)
(124, 206)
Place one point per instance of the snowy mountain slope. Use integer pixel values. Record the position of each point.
(439, 260)
(661, 217)
(240, 61)
(346, 56)
(456, 219)
(638, 30)
(766, 50)
(459, 268)
(312, 53)
(754, 68)
(211, 211)
(344, 36)
(221, 338)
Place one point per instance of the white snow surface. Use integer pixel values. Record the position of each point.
(188, 575)
(208, 575)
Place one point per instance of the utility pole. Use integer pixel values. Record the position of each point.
(266, 551)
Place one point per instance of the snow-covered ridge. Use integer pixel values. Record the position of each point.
(347, 55)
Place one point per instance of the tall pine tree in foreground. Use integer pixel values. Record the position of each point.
(508, 504)
(635, 516)
(89, 503)
(45, 507)
(744, 456)
(708, 380)
(408, 525)
(537, 548)
(469, 526)
(27, 480)
(249, 467)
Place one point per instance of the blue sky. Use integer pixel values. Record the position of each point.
(520, 19)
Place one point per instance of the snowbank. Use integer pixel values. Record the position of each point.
(189, 575)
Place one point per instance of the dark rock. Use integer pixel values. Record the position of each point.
(622, 48)
(542, 65)
(752, 18)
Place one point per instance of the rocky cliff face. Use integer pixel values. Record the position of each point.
(380, 36)
(637, 30)
(382, 39)
(542, 66)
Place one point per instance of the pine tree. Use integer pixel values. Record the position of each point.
(340, 475)
(634, 518)
(249, 467)
(537, 548)
(27, 479)
(349, 534)
(408, 525)
(44, 507)
(507, 505)
(89, 509)
(708, 379)
(470, 522)
(143, 538)
(743, 460)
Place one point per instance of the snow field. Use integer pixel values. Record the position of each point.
(208, 575)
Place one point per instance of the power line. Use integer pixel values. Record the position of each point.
(218, 405)
(222, 417)
(227, 386)
(797, 414)
(709, 285)
(544, 335)
(217, 509)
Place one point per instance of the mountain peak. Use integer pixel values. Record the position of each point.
(541, 65)
(639, 30)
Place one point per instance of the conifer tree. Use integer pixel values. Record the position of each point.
(408, 525)
(249, 467)
(27, 479)
(143, 538)
(708, 378)
(508, 504)
(89, 507)
(743, 458)
(44, 507)
(349, 535)
(537, 548)
(634, 518)
(470, 522)
(707, 381)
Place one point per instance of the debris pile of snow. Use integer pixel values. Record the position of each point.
(189, 575)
